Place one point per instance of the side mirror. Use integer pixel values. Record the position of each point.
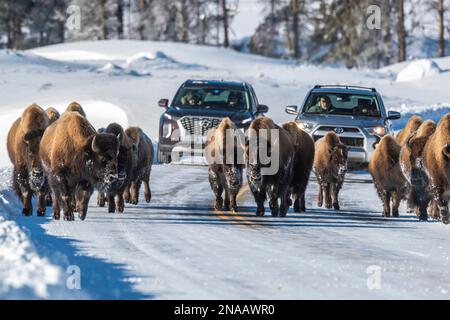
(393, 115)
(262, 108)
(163, 103)
(291, 110)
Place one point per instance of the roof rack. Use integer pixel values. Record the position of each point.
(317, 86)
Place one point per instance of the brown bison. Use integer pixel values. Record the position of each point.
(330, 167)
(389, 181)
(411, 163)
(52, 114)
(142, 148)
(303, 162)
(77, 159)
(114, 193)
(411, 126)
(436, 158)
(269, 154)
(23, 149)
(225, 158)
(76, 107)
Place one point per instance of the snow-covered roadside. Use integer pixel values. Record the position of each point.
(23, 273)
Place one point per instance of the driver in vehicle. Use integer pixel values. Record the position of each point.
(324, 106)
(191, 99)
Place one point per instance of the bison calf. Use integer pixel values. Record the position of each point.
(266, 139)
(225, 158)
(330, 167)
(385, 169)
(303, 162)
(436, 161)
(77, 159)
(23, 142)
(114, 193)
(142, 152)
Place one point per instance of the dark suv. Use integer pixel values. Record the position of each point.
(198, 106)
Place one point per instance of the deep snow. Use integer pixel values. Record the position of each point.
(177, 247)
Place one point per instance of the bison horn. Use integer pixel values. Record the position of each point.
(94, 145)
(446, 151)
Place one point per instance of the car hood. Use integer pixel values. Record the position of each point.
(337, 120)
(236, 116)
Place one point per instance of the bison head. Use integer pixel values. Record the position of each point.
(103, 150)
(339, 156)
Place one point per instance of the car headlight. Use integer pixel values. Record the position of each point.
(378, 130)
(306, 126)
(167, 129)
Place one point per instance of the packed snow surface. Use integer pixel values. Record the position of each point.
(417, 70)
(177, 246)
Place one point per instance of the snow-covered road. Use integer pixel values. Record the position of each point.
(177, 247)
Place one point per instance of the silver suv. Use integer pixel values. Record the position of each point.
(356, 114)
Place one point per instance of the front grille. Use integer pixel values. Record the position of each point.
(329, 128)
(350, 142)
(199, 126)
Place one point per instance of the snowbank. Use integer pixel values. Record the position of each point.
(417, 70)
(23, 273)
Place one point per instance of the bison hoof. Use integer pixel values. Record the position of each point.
(148, 198)
(275, 213)
(445, 219)
(234, 210)
(134, 201)
(260, 212)
(328, 206)
(395, 213)
(336, 206)
(69, 217)
(48, 201)
(41, 212)
(27, 211)
(56, 216)
(101, 203)
(82, 216)
(423, 217)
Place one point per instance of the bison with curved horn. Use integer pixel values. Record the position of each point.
(224, 153)
(76, 159)
(269, 156)
(23, 142)
(76, 107)
(114, 193)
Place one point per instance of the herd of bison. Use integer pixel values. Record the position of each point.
(61, 159)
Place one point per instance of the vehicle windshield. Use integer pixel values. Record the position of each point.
(213, 98)
(343, 104)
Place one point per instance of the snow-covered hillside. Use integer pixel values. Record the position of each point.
(177, 247)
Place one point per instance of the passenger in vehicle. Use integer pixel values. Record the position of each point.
(191, 99)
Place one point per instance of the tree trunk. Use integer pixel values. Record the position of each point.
(226, 42)
(272, 26)
(103, 20)
(401, 33)
(441, 11)
(184, 21)
(119, 15)
(295, 31)
(388, 33)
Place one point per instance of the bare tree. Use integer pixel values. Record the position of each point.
(226, 42)
(401, 33)
(295, 30)
(441, 11)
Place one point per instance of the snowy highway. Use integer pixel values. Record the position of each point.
(178, 247)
